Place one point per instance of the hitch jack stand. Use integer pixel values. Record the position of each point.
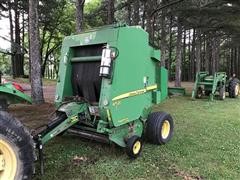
(41, 159)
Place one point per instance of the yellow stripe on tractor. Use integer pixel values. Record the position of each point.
(135, 93)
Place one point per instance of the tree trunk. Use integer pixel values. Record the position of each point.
(178, 70)
(129, 14)
(23, 38)
(184, 75)
(232, 59)
(11, 37)
(215, 53)
(44, 60)
(42, 42)
(207, 53)
(218, 41)
(149, 20)
(198, 51)
(17, 63)
(193, 55)
(238, 62)
(143, 15)
(235, 60)
(170, 48)
(189, 55)
(49, 51)
(136, 15)
(163, 39)
(79, 15)
(111, 11)
(36, 81)
(229, 61)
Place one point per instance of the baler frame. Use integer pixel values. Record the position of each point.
(100, 94)
(78, 111)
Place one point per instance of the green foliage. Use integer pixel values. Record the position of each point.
(57, 20)
(94, 18)
(5, 64)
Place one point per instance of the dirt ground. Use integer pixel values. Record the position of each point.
(48, 91)
(34, 116)
(187, 85)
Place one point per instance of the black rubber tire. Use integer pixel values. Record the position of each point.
(222, 93)
(20, 141)
(232, 88)
(154, 128)
(130, 146)
(3, 105)
(199, 93)
(207, 92)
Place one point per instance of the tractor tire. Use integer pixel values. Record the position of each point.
(222, 93)
(207, 92)
(199, 93)
(3, 105)
(233, 88)
(134, 147)
(16, 149)
(159, 128)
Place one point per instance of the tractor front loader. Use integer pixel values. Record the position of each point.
(212, 85)
(109, 79)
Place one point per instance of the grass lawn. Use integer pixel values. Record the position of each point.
(206, 145)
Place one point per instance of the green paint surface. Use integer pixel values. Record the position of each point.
(135, 71)
(13, 96)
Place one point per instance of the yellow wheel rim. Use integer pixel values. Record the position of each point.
(8, 161)
(165, 129)
(224, 95)
(237, 90)
(136, 147)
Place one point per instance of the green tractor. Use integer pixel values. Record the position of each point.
(109, 79)
(217, 84)
(10, 92)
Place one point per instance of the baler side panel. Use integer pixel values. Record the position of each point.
(163, 83)
(162, 89)
(131, 67)
(64, 86)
